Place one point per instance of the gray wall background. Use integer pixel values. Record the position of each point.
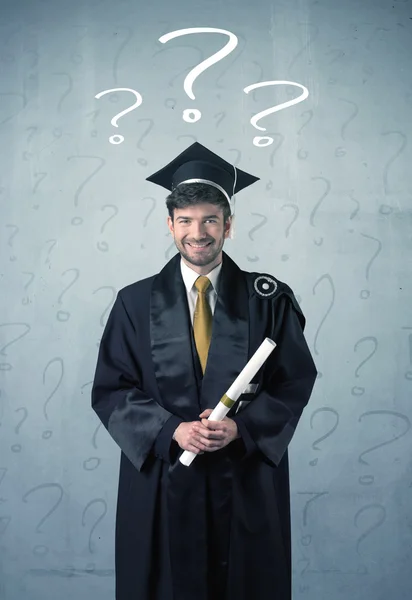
(331, 216)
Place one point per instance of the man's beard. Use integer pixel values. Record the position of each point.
(200, 259)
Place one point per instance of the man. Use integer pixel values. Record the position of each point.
(173, 344)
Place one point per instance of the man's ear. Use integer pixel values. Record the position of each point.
(228, 225)
(170, 224)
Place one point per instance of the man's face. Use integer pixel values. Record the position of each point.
(199, 233)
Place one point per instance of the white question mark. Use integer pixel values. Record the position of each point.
(191, 115)
(118, 139)
(262, 141)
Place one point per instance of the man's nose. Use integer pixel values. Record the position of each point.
(198, 230)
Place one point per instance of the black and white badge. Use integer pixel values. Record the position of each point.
(265, 286)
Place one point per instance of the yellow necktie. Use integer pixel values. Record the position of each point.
(202, 321)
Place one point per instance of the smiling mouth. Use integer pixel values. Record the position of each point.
(199, 246)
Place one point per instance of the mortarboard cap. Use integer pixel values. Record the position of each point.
(198, 164)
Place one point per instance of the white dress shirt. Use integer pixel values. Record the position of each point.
(189, 278)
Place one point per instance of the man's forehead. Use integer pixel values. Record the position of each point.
(199, 210)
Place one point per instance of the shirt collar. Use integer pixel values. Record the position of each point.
(190, 276)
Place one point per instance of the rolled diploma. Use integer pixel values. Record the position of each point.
(236, 389)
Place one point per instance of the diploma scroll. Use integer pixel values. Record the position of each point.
(236, 389)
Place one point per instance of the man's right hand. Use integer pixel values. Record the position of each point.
(188, 438)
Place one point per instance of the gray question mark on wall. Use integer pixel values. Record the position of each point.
(408, 374)
(310, 39)
(151, 210)
(327, 434)
(169, 249)
(118, 139)
(41, 549)
(40, 177)
(356, 390)
(303, 154)
(328, 278)
(91, 463)
(191, 115)
(8, 366)
(354, 212)
(28, 155)
(17, 447)
(129, 32)
(104, 246)
(306, 539)
(53, 244)
(366, 293)
(339, 151)
(26, 299)
(296, 210)
(11, 238)
(281, 139)
(263, 222)
(221, 115)
(63, 315)
(319, 202)
(94, 114)
(143, 161)
(379, 521)
(48, 433)
(149, 213)
(90, 504)
(393, 158)
(69, 88)
(79, 220)
(112, 299)
(369, 479)
(4, 520)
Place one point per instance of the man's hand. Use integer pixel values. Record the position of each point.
(188, 437)
(214, 435)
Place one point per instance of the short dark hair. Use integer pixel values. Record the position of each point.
(189, 194)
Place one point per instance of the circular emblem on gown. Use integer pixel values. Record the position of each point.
(265, 286)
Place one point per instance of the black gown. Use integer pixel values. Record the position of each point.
(220, 528)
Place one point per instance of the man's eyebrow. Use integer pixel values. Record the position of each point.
(205, 217)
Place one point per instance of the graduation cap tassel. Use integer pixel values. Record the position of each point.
(232, 226)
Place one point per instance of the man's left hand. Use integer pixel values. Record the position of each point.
(218, 434)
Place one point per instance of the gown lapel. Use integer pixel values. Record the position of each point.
(171, 347)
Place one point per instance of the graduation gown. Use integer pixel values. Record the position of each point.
(220, 528)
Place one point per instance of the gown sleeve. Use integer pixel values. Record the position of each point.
(268, 423)
(136, 422)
